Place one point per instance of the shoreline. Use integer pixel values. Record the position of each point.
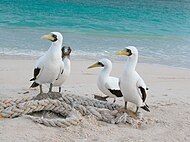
(77, 58)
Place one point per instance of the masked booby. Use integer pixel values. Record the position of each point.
(107, 84)
(132, 85)
(48, 67)
(65, 71)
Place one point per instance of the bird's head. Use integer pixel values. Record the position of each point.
(53, 37)
(101, 63)
(66, 51)
(128, 51)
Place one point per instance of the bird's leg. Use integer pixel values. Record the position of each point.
(123, 110)
(126, 105)
(133, 114)
(41, 91)
(129, 112)
(53, 95)
(59, 89)
(50, 87)
(41, 95)
(137, 110)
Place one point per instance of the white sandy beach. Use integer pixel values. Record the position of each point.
(168, 98)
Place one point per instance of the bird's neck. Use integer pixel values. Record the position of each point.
(55, 49)
(105, 72)
(131, 63)
(66, 57)
(67, 62)
(57, 43)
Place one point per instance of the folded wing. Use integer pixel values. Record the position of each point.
(113, 86)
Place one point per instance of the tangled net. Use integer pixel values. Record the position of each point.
(71, 109)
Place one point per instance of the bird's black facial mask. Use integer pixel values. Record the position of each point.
(66, 50)
(99, 63)
(129, 52)
(54, 38)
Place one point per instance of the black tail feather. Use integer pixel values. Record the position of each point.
(34, 84)
(32, 79)
(145, 108)
(146, 105)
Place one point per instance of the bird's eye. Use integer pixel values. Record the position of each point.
(63, 49)
(129, 51)
(55, 37)
(99, 63)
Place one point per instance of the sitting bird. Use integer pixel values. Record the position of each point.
(65, 72)
(107, 84)
(132, 85)
(48, 67)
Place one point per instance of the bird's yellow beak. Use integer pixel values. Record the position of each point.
(94, 65)
(123, 52)
(48, 37)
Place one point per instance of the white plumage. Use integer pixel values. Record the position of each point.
(66, 67)
(107, 84)
(132, 85)
(48, 67)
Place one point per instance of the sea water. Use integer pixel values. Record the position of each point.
(160, 29)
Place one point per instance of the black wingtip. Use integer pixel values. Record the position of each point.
(117, 93)
(32, 79)
(34, 84)
(145, 108)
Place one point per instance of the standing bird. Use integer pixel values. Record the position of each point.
(66, 67)
(132, 85)
(107, 84)
(48, 67)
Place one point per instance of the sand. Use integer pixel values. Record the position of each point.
(168, 98)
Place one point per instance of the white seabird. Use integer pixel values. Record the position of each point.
(132, 85)
(107, 84)
(66, 67)
(48, 67)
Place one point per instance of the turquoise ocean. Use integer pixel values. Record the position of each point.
(160, 29)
